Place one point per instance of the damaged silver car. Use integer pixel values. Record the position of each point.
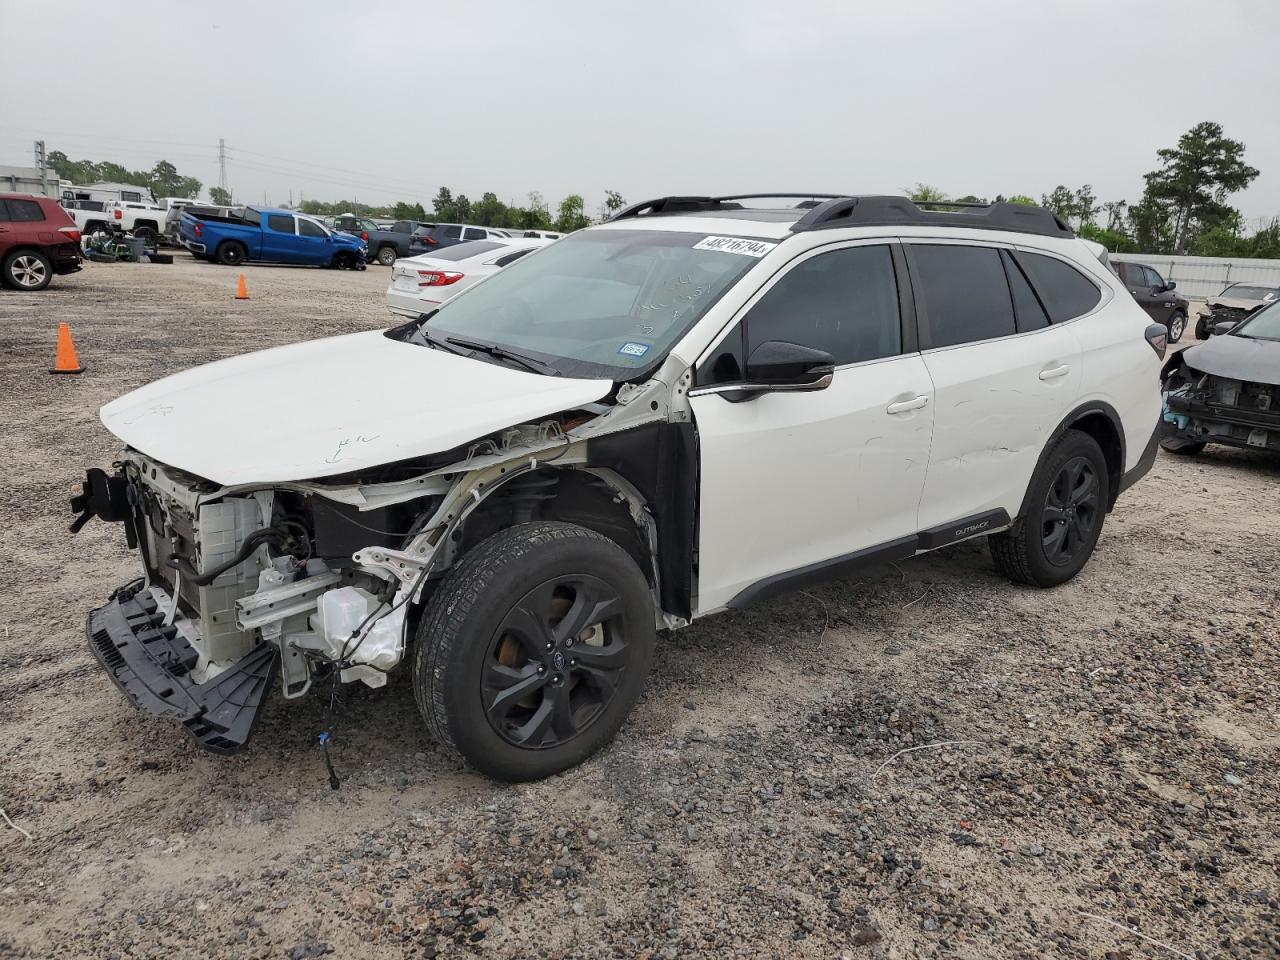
(1227, 390)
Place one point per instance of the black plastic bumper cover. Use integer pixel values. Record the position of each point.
(151, 664)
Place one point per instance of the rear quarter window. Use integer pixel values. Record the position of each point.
(23, 211)
(1065, 291)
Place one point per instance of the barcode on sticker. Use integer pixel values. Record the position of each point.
(748, 248)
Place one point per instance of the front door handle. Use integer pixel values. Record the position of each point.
(905, 406)
(1053, 373)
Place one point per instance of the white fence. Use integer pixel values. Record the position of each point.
(1203, 277)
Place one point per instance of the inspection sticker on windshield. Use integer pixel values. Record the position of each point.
(748, 248)
(631, 349)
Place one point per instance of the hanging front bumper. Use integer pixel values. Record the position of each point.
(151, 664)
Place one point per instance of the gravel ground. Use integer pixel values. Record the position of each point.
(1112, 757)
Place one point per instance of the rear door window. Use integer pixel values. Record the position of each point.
(308, 229)
(474, 233)
(280, 223)
(450, 232)
(962, 292)
(1064, 290)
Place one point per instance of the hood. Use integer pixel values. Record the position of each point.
(331, 406)
(1235, 303)
(349, 239)
(1238, 358)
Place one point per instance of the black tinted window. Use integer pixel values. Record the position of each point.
(279, 222)
(844, 302)
(963, 293)
(24, 211)
(1026, 307)
(472, 233)
(511, 258)
(461, 251)
(450, 232)
(1063, 289)
(308, 229)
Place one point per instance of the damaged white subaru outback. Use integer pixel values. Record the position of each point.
(701, 403)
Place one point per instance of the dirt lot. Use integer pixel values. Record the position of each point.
(1117, 765)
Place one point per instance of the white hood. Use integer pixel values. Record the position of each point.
(331, 406)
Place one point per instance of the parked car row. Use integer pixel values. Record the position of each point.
(420, 284)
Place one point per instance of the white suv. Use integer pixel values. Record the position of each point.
(701, 403)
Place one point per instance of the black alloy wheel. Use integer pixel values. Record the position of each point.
(555, 662)
(1072, 508)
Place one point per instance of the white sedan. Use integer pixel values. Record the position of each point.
(420, 284)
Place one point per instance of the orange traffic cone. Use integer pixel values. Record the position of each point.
(242, 292)
(66, 361)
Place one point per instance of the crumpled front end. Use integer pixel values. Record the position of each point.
(1203, 408)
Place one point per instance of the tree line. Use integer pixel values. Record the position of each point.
(488, 211)
(163, 180)
(1183, 209)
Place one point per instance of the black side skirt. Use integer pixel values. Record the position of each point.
(152, 663)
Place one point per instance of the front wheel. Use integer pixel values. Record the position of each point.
(1067, 501)
(534, 649)
(1177, 325)
(387, 256)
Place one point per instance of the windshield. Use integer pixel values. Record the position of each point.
(1263, 325)
(1244, 291)
(601, 303)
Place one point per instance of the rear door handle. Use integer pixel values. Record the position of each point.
(1053, 373)
(905, 406)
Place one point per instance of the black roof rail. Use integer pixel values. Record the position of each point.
(895, 211)
(663, 205)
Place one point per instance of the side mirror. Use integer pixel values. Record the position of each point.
(781, 365)
(1170, 285)
(1224, 326)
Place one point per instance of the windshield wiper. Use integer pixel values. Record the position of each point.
(439, 343)
(531, 364)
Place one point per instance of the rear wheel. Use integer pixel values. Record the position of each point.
(387, 256)
(1067, 502)
(534, 649)
(231, 253)
(146, 233)
(1177, 325)
(26, 270)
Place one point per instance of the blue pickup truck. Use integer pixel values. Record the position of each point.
(268, 236)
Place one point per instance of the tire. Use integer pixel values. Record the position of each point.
(1202, 328)
(28, 270)
(231, 253)
(146, 233)
(485, 634)
(1184, 448)
(1177, 326)
(343, 261)
(1068, 498)
(387, 256)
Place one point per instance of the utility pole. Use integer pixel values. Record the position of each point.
(222, 163)
(43, 163)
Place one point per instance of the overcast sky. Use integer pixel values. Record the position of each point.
(391, 100)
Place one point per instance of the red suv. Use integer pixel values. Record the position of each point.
(37, 239)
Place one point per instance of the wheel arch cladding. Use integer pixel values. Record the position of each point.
(1100, 421)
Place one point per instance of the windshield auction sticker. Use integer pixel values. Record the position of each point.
(747, 248)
